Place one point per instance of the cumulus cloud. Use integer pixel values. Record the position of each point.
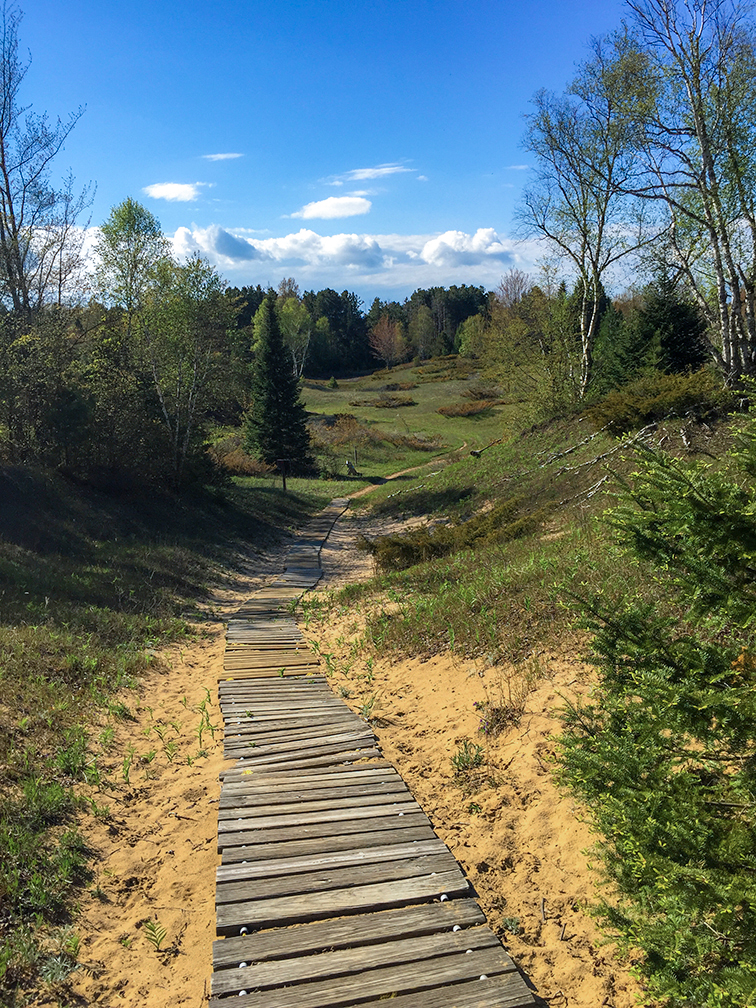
(334, 206)
(370, 261)
(179, 192)
(220, 157)
(456, 248)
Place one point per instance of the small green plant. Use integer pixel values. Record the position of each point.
(171, 748)
(511, 924)
(155, 933)
(474, 808)
(467, 757)
(99, 811)
(367, 707)
(128, 759)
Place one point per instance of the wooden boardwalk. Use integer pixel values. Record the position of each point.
(334, 889)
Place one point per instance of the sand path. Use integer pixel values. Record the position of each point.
(519, 840)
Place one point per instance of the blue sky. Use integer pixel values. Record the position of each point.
(368, 146)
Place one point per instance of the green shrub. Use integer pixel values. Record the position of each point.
(469, 756)
(656, 396)
(500, 524)
(664, 752)
(385, 401)
(468, 408)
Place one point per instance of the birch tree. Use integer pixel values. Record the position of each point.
(585, 170)
(698, 150)
(36, 219)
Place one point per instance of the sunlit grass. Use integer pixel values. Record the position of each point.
(90, 586)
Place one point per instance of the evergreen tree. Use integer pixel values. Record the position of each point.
(675, 323)
(276, 426)
(625, 349)
(664, 750)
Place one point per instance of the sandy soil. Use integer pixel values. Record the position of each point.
(519, 840)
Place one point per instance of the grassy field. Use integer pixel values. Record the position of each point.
(429, 386)
(91, 586)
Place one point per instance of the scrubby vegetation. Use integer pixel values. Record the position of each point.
(92, 584)
(657, 592)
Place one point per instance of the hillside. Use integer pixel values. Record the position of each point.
(460, 650)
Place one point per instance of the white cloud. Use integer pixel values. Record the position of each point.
(334, 206)
(360, 174)
(178, 192)
(517, 167)
(361, 261)
(456, 248)
(422, 178)
(220, 157)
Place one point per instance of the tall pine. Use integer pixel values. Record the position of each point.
(276, 423)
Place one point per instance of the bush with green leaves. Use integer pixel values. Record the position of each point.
(664, 754)
(507, 520)
(657, 396)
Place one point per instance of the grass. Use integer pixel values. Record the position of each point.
(90, 586)
(484, 597)
(434, 384)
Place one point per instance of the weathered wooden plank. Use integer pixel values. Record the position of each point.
(286, 672)
(248, 835)
(356, 772)
(326, 879)
(294, 706)
(246, 809)
(331, 859)
(508, 990)
(346, 932)
(342, 963)
(316, 743)
(262, 852)
(316, 756)
(257, 719)
(266, 799)
(278, 784)
(387, 982)
(335, 902)
(272, 686)
(344, 761)
(346, 757)
(239, 720)
(265, 733)
(270, 819)
(238, 798)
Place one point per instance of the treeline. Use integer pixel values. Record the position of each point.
(327, 333)
(126, 386)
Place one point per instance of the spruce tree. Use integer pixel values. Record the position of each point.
(676, 324)
(276, 423)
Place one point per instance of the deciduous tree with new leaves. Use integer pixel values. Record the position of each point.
(387, 341)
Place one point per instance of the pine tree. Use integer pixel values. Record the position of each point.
(676, 324)
(276, 423)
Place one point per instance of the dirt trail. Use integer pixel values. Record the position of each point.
(519, 840)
